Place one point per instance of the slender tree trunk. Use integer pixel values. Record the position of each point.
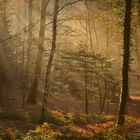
(30, 34)
(106, 95)
(49, 66)
(34, 87)
(23, 75)
(139, 12)
(138, 40)
(17, 47)
(1, 97)
(3, 35)
(126, 57)
(88, 33)
(86, 86)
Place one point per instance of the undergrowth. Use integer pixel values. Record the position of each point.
(60, 126)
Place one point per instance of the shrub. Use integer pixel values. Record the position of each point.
(11, 135)
(33, 135)
(69, 134)
(61, 120)
(48, 130)
(90, 118)
(112, 134)
(133, 137)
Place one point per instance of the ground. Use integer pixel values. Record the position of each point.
(14, 115)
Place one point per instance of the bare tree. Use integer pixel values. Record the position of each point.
(34, 87)
(49, 66)
(30, 33)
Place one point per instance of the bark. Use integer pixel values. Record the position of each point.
(3, 35)
(88, 32)
(1, 97)
(86, 86)
(139, 12)
(106, 94)
(49, 66)
(126, 57)
(138, 40)
(34, 87)
(30, 33)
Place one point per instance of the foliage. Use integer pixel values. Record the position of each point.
(69, 133)
(91, 118)
(112, 134)
(69, 126)
(133, 137)
(78, 119)
(32, 135)
(61, 120)
(43, 132)
(11, 135)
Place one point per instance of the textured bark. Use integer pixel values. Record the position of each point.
(86, 87)
(126, 57)
(88, 32)
(139, 12)
(1, 96)
(3, 47)
(3, 35)
(49, 66)
(34, 87)
(138, 40)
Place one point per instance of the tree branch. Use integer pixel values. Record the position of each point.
(67, 4)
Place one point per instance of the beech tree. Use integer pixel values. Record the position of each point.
(34, 87)
(49, 65)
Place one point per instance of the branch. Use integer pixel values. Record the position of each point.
(28, 27)
(67, 4)
(25, 29)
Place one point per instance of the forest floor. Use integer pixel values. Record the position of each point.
(66, 113)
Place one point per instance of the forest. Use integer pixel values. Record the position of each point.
(69, 69)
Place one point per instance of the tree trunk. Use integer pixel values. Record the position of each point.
(86, 86)
(138, 41)
(30, 33)
(88, 33)
(126, 57)
(49, 66)
(34, 87)
(1, 97)
(139, 12)
(106, 95)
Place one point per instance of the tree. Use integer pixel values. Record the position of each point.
(3, 63)
(30, 24)
(139, 11)
(34, 87)
(49, 66)
(125, 69)
(138, 38)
